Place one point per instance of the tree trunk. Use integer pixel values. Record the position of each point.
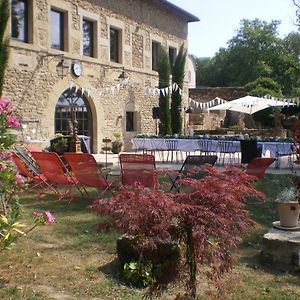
(190, 256)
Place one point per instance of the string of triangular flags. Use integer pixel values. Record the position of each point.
(217, 101)
(94, 91)
(205, 105)
(168, 90)
(117, 87)
(289, 101)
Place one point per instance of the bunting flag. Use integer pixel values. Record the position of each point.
(168, 90)
(207, 104)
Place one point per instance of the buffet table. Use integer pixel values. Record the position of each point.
(275, 148)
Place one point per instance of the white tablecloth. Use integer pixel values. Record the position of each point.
(191, 145)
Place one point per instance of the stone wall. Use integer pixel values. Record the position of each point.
(34, 86)
(201, 119)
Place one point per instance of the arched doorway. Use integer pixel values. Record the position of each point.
(70, 100)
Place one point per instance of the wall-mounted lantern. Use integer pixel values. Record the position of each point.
(62, 68)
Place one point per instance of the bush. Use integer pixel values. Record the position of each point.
(206, 221)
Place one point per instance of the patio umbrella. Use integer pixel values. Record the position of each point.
(249, 104)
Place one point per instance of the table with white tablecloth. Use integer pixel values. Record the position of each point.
(191, 145)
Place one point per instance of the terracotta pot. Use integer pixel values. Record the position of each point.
(289, 213)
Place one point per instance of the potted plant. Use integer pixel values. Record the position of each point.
(288, 208)
(59, 145)
(116, 145)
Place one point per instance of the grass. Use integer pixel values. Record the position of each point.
(70, 260)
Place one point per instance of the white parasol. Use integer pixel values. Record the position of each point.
(250, 104)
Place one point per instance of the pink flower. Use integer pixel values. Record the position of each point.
(38, 214)
(13, 121)
(50, 219)
(3, 166)
(19, 179)
(6, 155)
(5, 105)
(44, 217)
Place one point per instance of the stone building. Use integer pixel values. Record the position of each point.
(67, 56)
(191, 72)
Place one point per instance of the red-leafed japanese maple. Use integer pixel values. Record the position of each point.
(207, 219)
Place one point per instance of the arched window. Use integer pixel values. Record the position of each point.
(68, 101)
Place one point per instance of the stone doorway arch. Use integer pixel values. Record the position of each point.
(73, 99)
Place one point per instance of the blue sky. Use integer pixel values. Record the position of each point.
(219, 20)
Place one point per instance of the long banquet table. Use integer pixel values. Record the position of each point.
(190, 145)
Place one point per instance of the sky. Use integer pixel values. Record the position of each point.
(220, 20)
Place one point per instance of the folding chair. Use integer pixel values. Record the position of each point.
(226, 147)
(86, 170)
(139, 145)
(32, 174)
(190, 162)
(258, 166)
(27, 158)
(33, 148)
(205, 146)
(138, 168)
(55, 171)
(172, 146)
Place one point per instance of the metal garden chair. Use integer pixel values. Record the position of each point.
(226, 148)
(32, 174)
(258, 166)
(188, 168)
(138, 169)
(86, 170)
(56, 172)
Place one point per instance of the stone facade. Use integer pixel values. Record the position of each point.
(34, 86)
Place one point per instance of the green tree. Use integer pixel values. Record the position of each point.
(264, 86)
(177, 77)
(255, 51)
(4, 41)
(297, 4)
(164, 100)
(293, 44)
(203, 71)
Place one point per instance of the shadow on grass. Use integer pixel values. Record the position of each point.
(75, 225)
(113, 271)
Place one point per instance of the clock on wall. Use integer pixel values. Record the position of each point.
(77, 68)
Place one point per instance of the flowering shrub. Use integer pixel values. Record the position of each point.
(10, 230)
(11, 182)
(207, 220)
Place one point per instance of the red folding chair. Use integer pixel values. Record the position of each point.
(258, 166)
(33, 148)
(86, 170)
(33, 175)
(55, 171)
(138, 168)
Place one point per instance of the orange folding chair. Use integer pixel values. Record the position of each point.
(33, 175)
(86, 170)
(138, 168)
(55, 171)
(258, 166)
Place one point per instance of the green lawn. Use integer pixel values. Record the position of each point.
(70, 260)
